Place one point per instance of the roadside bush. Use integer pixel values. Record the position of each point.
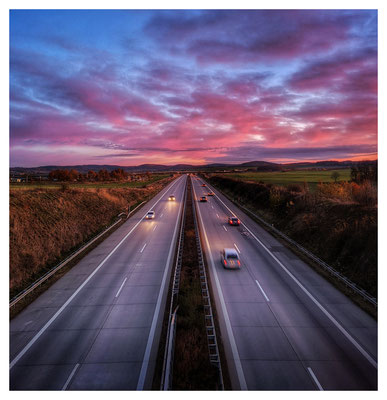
(365, 193)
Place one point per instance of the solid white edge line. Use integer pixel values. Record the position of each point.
(143, 247)
(119, 290)
(70, 377)
(237, 248)
(237, 361)
(145, 361)
(263, 292)
(315, 301)
(315, 379)
(55, 316)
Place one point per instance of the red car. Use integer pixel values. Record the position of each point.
(210, 194)
(234, 221)
(204, 185)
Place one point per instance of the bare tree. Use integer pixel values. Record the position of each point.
(335, 175)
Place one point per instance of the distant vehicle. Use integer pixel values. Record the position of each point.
(203, 198)
(203, 184)
(171, 198)
(150, 215)
(210, 194)
(230, 259)
(234, 221)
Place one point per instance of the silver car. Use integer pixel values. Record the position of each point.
(150, 215)
(230, 259)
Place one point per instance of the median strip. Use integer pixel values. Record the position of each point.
(194, 365)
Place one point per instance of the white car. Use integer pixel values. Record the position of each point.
(230, 259)
(150, 215)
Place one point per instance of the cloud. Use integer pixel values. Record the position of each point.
(335, 71)
(198, 85)
(249, 153)
(257, 35)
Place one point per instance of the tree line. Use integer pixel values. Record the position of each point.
(365, 171)
(64, 175)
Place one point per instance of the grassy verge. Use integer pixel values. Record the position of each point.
(192, 367)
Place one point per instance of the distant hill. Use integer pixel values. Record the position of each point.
(258, 165)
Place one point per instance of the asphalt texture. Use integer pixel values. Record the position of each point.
(98, 327)
(284, 327)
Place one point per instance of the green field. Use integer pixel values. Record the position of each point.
(291, 177)
(88, 185)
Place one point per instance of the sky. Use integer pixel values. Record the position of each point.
(128, 87)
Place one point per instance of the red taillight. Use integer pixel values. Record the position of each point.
(239, 221)
(239, 263)
(225, 262)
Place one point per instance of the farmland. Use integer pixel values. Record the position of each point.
(292, 177)
(89, 185)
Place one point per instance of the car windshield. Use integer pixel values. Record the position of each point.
(234, 219)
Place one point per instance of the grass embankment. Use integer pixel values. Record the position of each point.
(47, 225)
(338, 222)
(192, 369)
(312, 178)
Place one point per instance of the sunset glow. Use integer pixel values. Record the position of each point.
(168, 87)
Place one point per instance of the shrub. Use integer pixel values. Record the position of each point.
(365, 193)
(295, 188)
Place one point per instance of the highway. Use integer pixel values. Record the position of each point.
(98, 327)
(284, 327)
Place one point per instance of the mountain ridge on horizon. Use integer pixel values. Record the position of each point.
(187, 167)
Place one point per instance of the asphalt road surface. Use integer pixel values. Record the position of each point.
(98, 327)
(284, 327)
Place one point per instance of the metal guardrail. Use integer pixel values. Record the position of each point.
(167, 372)
(347, 282)
(209, 318)
(64, 262)
(166, 382)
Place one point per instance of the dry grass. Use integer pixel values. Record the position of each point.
(46, 225)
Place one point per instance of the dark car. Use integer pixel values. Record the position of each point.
(234, 221)
(203, 198)
(203, 184)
